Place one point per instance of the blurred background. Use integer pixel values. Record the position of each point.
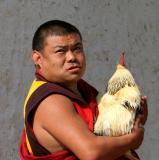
(107, 26)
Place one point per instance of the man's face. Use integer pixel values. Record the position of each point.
(62, 59)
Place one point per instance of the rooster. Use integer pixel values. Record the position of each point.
(119, 105)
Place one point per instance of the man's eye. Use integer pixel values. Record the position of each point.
(78, 48)
(60, 51)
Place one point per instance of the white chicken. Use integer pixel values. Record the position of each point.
(119, 105)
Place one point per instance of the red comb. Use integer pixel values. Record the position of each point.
(122, 59)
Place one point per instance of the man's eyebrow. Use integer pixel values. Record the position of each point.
(59, 46)
(64, 46)
(78, 43)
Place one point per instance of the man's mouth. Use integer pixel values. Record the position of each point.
(74, 67)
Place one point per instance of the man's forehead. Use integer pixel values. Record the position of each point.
(63, 40)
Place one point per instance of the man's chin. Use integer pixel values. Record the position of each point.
(74, 78)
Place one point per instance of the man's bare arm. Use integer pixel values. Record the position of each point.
(57, 115)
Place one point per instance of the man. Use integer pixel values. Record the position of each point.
(60, 108)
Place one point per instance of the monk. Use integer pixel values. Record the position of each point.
(60, 108)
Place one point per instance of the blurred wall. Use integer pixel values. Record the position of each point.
(107, 26)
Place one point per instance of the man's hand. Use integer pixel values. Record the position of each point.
(137, 132)
(144, 109)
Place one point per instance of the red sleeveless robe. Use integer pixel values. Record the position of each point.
(87, 109)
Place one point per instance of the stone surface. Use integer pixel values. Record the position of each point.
(107, 26)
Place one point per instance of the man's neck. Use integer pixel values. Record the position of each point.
(73, 87)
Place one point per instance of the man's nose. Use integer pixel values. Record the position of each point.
(70, 56)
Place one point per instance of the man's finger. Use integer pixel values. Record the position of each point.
(144, 97)
(141, 126)
(144, 104)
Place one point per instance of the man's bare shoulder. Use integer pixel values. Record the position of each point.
(53, 107)
(55, 101)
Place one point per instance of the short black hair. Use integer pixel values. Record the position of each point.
(53, 27)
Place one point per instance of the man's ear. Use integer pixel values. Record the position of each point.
(36, 57)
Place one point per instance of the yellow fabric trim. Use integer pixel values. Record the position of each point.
(34, 86)
(28, 145)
